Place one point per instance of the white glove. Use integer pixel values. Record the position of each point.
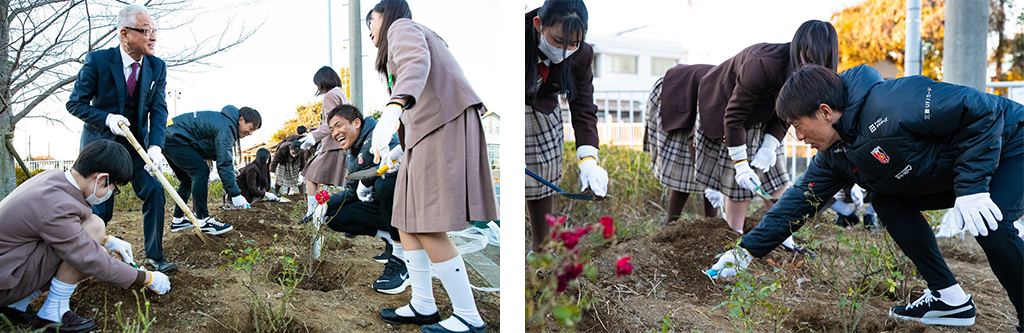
(387, 125)
(765, 156)
(158, 282)
(302, 180)
(239, 201)
(973, 211)
(716, 198)
(157, 156)
(746, 177)
(857, 194)
(394, 159)
(113, 119)
(269, 195)
(950, 226)
(307, 142)
(738, 258)
(363, 192)
(121, 247)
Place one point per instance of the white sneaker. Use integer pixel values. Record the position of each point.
(180, 223)
(212, 227)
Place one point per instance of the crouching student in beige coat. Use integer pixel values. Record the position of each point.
(51, 239)
(445, 179)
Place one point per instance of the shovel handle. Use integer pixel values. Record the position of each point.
(163, 180)
(545, 182)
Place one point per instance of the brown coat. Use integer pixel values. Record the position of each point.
(332, 99)
(582, 110)
(283, 155)
(42, 227)
(741, 92)
(445, 178)
(679, 96)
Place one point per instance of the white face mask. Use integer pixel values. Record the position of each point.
(553, 53)
(293, 154)
(93, 199)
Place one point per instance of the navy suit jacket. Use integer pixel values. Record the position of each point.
(100, 90)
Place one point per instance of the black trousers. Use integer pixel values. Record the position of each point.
(193, 175)
(345, 213)
(901, 215)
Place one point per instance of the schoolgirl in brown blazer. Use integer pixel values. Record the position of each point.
(445, 178)
(328, 166)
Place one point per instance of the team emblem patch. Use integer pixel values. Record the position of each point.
(880, 155)
(360, 158)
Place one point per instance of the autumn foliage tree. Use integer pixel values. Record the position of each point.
(306, 115)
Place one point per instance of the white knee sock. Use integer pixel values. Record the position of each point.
(953, 295)
(456, 282)
(418, 264)
(310, 204)
(385, 235)
(397, 251)
(22, 305)
(842, 208)
(57, 301)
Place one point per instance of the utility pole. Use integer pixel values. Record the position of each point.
(965, 58)
(174, 95)
(355, 54)
(912, 56)
(330, 40)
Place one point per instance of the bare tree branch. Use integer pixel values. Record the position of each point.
(44, 96)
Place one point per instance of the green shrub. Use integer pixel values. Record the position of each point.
(20, 176)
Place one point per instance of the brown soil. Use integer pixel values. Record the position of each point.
(668, 281)
(208, 296)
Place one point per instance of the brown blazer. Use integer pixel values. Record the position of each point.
(283, 155)
(741, 92)
(679, 96)
(332, 99)
(582, 110)
(42, 226)
(425, 70)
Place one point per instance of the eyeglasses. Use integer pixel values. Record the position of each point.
(116, 189)
(147, 32)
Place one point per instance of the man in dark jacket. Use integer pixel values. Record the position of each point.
(364, 206)
(126, 84)
(918, 145)
(195, 137)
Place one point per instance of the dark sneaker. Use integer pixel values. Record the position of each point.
(161, 266)
(395, 278)
(180, 223)
(437, 328)
(69, 323)
(383, 256)
(930, 310)
(391, 317)
(870, 222)
(845, 220)
(16, 317)
(212, 227)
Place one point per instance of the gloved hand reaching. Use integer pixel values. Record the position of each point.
(270, 196)
(731, 262)
(113, 119)
(158, 282)
(239, 201)
(716, 198)
(387, 125)
(120, 247)
(591, 174)
(746, 177)
(765, 157)
(307, 142)
(157, 156)
(974, 211)
(857, 194)
(394, 159)
(363, 192)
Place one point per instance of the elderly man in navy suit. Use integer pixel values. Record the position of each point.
(126, 84)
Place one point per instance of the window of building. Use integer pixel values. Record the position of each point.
(661, 65)
(594, 65)
(623, 64)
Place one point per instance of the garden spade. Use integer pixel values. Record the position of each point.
(577, 196)
(369, 173)
(165, 183)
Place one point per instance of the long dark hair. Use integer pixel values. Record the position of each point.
(390, 10)
(817, 42)
(325, 79)
(572, 15)
(263, 167)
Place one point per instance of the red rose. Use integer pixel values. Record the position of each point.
(568, 274)
(553, 221)
(322, 197)
(623, 267)
(609, 227)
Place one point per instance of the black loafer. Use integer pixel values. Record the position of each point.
(17, 317)
(69, 323)
(437, 328)
(389, 316)
(161, 266)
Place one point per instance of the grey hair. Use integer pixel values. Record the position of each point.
(126, 18)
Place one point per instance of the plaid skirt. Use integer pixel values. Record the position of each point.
(288, 173)
(671, 152)
(544, 141)
(715, 168)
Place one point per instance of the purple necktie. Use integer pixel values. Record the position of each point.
(131, 78)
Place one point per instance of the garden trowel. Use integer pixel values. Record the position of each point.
(577, 196)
